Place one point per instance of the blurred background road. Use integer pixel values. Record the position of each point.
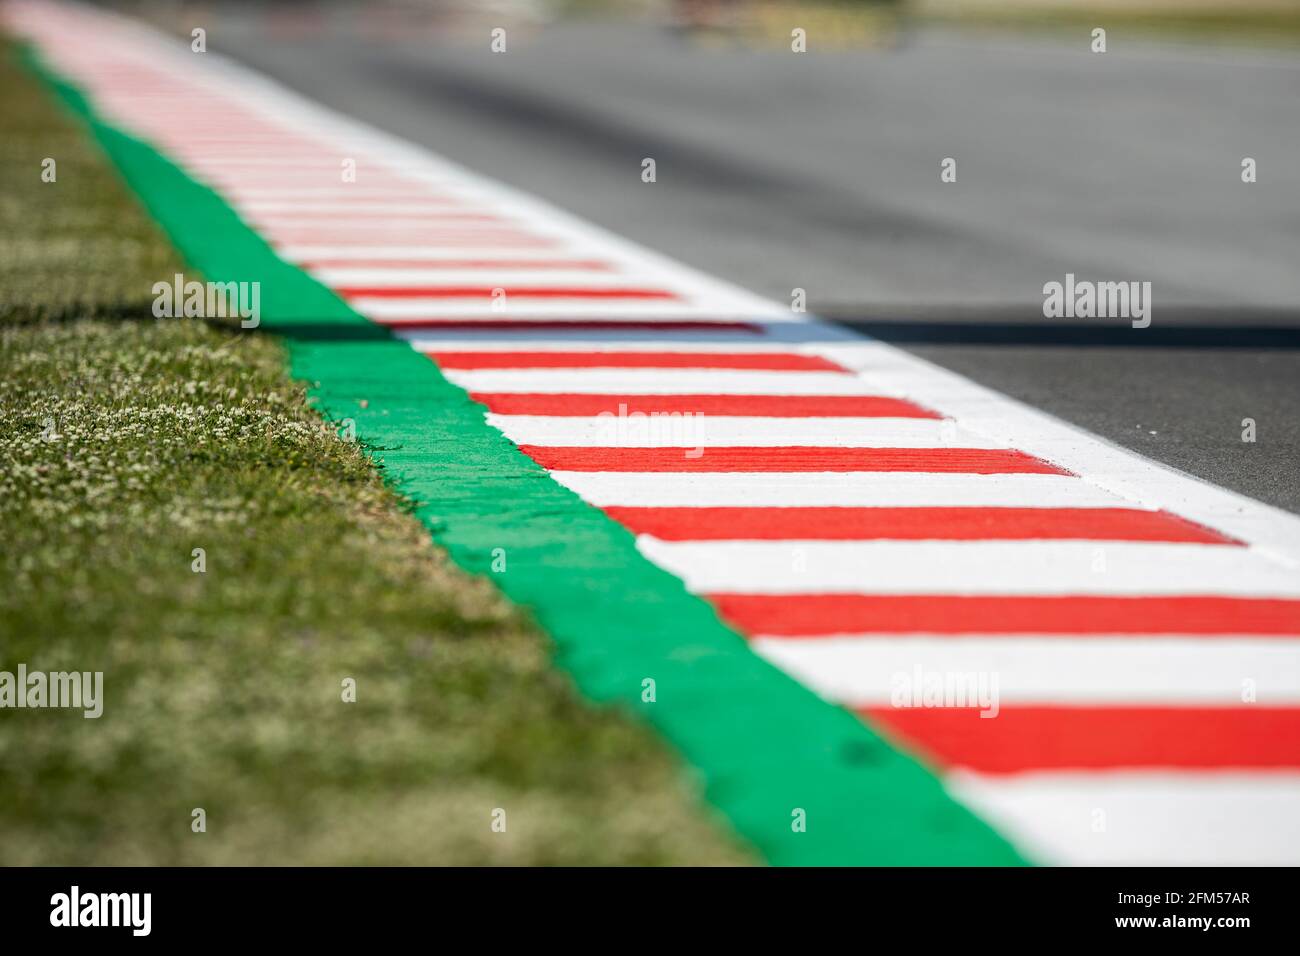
(820, 171)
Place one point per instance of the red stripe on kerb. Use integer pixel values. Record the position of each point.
(770, 406)
(487, 291)
(949, 524)
(972, 461)
(783, 361)
(813, 615)
(1096, 738)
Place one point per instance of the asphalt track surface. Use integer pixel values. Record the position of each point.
(821, 171)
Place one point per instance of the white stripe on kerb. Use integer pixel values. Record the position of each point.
(858, 489)
(868, 670)
(1142, 818)
(970, 567)
(644, 431)
(596, 341)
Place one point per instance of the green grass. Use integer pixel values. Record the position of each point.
(127, 443)
(1268, 23)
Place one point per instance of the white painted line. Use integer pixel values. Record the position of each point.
(860, 490)
(1143, 818)
(970, 567)
(596, 341)
(780, 336)
(713, 430)
(879, 670)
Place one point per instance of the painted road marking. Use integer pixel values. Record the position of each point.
(971, 567)
(842, 523)
(676, 381)
(737, 405)
(970, 461)
(447, 274)
(404, 311)
(487, 324)
(1070, 737)
(706, 432)
(866, 490)
(878, 670)
(1126, 817)
(825, 614)
(553, 358)
(330, 267)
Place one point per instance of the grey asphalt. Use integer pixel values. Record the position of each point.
(821, 171)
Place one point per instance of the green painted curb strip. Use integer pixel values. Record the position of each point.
(763, 744)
